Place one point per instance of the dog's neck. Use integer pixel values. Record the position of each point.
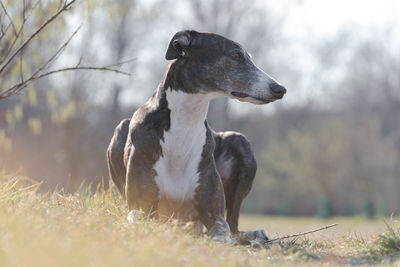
(187, 103)
(187, 109)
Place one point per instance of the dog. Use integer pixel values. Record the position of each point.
(167, 162)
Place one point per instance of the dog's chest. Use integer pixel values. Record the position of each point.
(178, 166)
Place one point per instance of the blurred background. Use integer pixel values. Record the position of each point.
(330, 147)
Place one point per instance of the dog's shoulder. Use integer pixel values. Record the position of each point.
(150, 121)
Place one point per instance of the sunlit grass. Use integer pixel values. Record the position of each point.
(91, 229)
(383, 248)
(57, 229)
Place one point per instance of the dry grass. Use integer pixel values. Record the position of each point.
(85, 229)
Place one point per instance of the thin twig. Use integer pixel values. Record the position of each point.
(64, 8)
(4, 30)
(20, 86)
(38, 74)
(11, 46)
(121, 63)
(301, 234)
(32, 8)
(18, 35)
(9, 17)
(83, 68)
(79, 62)
(59, 51)
(23, 84)
(21, 55)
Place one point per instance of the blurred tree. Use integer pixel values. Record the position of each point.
(337, 155)
(30, 48)
(20, 62)
(243, 21)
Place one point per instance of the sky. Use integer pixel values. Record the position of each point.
(306, 23)
(327, 16)
(309, 22)
(316, 21)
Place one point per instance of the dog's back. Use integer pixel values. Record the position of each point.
(115, 155)
(168, 154)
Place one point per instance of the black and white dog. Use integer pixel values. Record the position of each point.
(167, 162)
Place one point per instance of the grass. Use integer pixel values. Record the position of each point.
(91, 229)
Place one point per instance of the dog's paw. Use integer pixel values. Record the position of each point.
(135, 216)
(223, 239)
(261, 235)
(261, 239)
(220, 231)
(254, 238)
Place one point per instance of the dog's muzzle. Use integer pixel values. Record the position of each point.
(277, 90)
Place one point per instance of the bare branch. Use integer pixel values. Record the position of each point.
(21, 58)
(301, 234)
(17, 36)
(59, 51)
(84, 68)
(121, 63)
(27, 41)
(39, 72)
(79, 62)
(9, 49)
(9, 17)
(19, 33)
(32, 9)
(22, 85)
(4, 31)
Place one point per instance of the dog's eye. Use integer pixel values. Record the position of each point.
(237, 55)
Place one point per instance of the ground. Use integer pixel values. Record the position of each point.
(86, 229)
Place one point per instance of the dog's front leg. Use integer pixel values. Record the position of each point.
(210, 204)
(141, 191)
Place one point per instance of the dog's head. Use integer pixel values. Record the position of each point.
(207, 62)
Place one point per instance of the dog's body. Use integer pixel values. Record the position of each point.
(167, 161)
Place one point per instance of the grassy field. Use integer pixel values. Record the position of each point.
(85, 229)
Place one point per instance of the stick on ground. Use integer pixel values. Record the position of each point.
(301, 234)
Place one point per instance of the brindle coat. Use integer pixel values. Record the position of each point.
(203, 64)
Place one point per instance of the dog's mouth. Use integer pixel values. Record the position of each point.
(243, 97)
(239, 94)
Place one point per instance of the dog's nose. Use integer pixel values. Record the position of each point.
(278, 89)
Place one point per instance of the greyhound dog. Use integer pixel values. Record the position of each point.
(167, 162)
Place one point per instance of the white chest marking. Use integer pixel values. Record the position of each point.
(177, 169)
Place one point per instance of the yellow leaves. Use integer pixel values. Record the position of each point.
(32, 95)
(41, 14)
(67, 112)
(15, 71)
(17, 22)
(111, 12)
(91, 5)
(43, 35)
(10, 119)
(116, 10)
(51, 99)
(35, 125)
(5, 143)
(36, 58)
(18, 112)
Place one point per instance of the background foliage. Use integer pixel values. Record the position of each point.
(334, 152)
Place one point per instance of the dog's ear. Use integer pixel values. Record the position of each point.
(178, 46)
